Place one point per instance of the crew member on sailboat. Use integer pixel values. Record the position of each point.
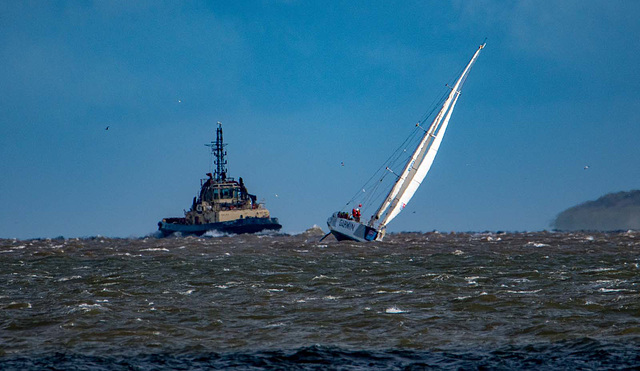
(424, 144)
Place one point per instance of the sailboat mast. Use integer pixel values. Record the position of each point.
(422, 158)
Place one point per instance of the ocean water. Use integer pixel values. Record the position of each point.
(415, 301)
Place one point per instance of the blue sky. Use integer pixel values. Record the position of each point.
(301, 86)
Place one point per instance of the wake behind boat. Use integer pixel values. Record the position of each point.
(223, 204)
(424, 143)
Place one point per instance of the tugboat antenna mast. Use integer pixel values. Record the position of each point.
(219, 153)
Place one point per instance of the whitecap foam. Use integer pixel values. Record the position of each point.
(520, 280)
(85, 307)
(604, 289)
(523, 292)
(395, 292)
(266, 233)
(596, 270)
(17, 305)
(535, 244)
(68, 278)
(323, 277)
(394, 310)
(217, 234)
(272, 325)
(462, 297)
(331, 297)
(472, 280)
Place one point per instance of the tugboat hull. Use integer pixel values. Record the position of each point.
(238, 226)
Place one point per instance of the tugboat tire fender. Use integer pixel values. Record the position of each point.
(199, 208)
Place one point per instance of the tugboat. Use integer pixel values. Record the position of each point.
(223, 204)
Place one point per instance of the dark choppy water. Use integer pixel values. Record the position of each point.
(536, 300)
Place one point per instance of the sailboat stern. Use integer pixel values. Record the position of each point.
(347, 229)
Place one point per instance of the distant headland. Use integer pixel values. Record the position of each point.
(611, 212)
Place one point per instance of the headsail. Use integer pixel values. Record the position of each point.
(422, 158)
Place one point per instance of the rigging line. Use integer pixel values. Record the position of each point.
(437, 102)
(375, 192)
(375, 195)
(376, 200)
(464, 79)
(364, 199)
(370, 207)
(412, 136)
(460, 71)
(378, 192)
(365, 195)
(392, 160)
(401, 147)
(397, 154)
(402, 158)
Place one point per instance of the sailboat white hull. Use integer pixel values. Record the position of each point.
(345, 229)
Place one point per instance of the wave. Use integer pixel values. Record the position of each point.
(565, 355)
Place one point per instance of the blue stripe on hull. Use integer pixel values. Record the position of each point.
(239, 226)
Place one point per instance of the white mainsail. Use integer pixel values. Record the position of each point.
(422, 158)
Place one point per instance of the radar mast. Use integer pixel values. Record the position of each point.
(217, 149)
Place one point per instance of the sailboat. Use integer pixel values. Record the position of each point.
(425, 142)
